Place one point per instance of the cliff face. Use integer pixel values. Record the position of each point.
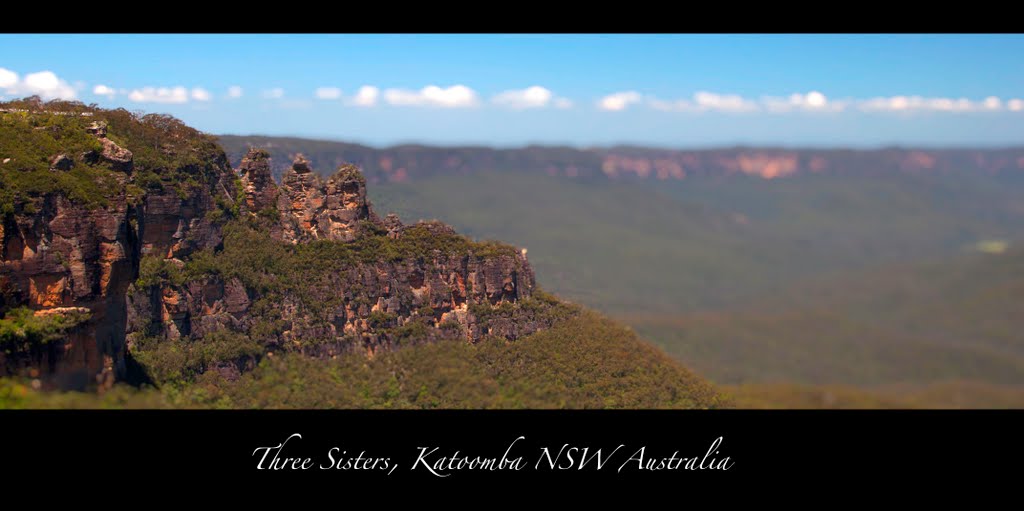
(403, 284)
(177, 261)
(65, 256)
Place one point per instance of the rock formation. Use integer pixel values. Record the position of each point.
(358, 308)
(345, 204)
(257, 182)
(65, 254)
(300, 201)
(63, 257)
(118, 157)
(60, 255)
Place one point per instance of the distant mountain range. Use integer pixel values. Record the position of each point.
(410, 162)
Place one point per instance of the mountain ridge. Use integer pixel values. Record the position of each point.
(407, 162)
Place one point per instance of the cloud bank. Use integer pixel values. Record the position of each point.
(813, 101)
(167, 95)
(44, 84)
(619, 101)
(530, 97)
(366, 96)
(456, 96)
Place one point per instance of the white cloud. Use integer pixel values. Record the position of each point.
(159, 95)
(275, 93)
(456, 96)
(813, 101)
(562, 103)
(530, 97)
(704, 101)
(201, 94)
(8, 78)
(45, 84)
(103, 90)
(919, 103)
(172, 95)
(48, 86)
(235, 92)
(328, 93)
(724, 102)
(619, 101)
(366, 96)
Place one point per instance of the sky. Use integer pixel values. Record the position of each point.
(582, 90)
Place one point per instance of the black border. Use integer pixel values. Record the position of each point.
(799, 450)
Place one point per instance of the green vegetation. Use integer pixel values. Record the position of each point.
(18, 394)
(155, 270)
(271, 267)
(830, 281)
(939, 395)
(20, 330)
(27, 144)
(584, 362)
(166, 153)
(311, 275)
(176, 363)
(710, 244)
(922, 322)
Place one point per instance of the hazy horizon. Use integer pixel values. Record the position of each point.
(636, 144)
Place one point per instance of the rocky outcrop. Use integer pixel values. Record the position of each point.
(313, 209)
(258, 183)
(457, 290)
(300, 201)
(194, 309)
(62, 162)
(345, 204)
(418, 283)
(177, 222)
(118, 157)
(58, 254)
(68, 255)
(361, 308)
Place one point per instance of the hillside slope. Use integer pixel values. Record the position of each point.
(132, 252)
(822, 280)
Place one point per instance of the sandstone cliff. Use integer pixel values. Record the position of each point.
(333, 278)
(74, 231)
(174, 259)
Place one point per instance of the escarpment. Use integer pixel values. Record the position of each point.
(143, 245)
(85, 195)
(309, 267)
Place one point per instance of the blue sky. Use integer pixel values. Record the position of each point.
(507, 90)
